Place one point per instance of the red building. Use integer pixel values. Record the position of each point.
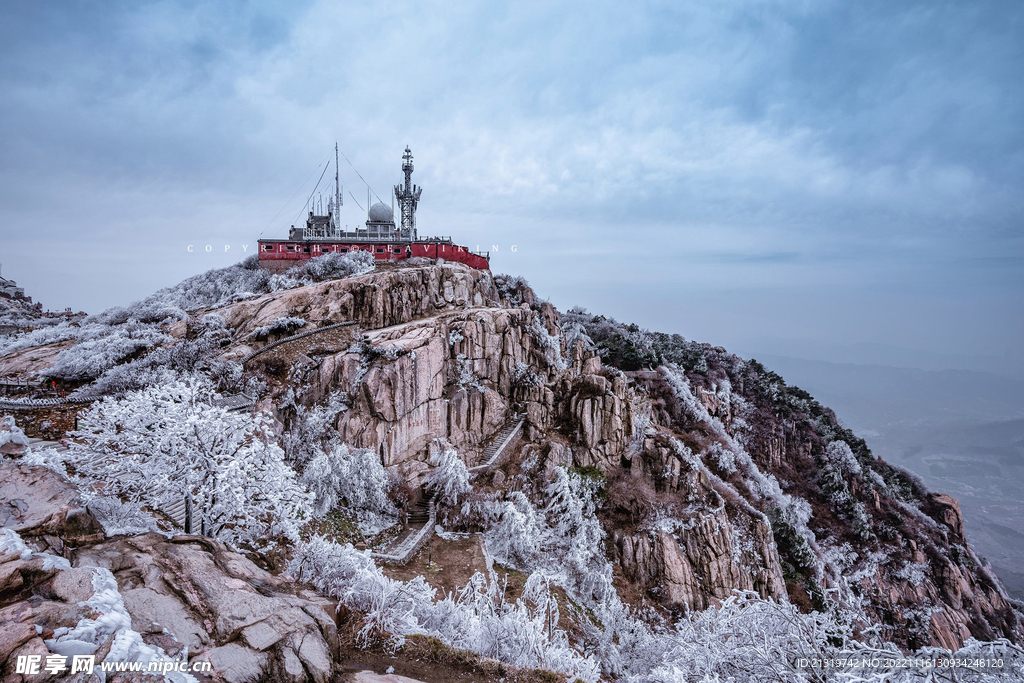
(381, 237)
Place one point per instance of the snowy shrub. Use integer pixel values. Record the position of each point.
(464, 375)
(475, 618)
(46, 457)
(525, 377)
(166, 363)
(168, 442)
(313, 430)
(338, 475)
(449, 480)
(46, 335)
(914, 572)
(833, 485)
(573, 330)
(333, 266)
(550, 344)
(516, 535)
(283, 326)
(627, 347)
(512, 288)
(723, 457)
(91, 356)
(352, 478)
(838, 453)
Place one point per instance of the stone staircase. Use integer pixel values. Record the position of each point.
(419, 529)
(495, 450)
(176, 511)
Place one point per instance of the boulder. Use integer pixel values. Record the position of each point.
(44, 508)
(248, 623)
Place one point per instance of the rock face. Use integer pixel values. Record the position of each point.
(42, 507)
(452, 376)
(193, 592)
(187, 592)
(447, 354)
(27, 362)
(377, 299)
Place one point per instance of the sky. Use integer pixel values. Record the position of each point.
(763, 174)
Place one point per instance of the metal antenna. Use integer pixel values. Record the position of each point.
(339, 199)
(408, 197)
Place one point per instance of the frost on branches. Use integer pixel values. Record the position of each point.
(338, 475)
(449, 478)
(168, 443)
(475, 618)
(354, 479)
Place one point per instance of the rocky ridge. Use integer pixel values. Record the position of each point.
(446, 352)
(455, 363)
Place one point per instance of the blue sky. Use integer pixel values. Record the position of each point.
(833, 173)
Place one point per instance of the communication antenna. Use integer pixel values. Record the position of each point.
(339, 198)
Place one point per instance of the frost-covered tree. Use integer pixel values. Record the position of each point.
(516, 535)
(169, 443)
(338, 475)
(352, 478)
(449, 480)
(524, 633)
(839, 454)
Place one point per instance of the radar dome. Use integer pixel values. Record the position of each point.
(381, 213)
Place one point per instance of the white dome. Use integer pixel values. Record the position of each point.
(381, 213)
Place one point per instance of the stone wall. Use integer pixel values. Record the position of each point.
(49, 422)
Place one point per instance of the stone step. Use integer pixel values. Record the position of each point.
(176, 511)
(494, 450)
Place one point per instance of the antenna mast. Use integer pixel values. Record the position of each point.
(339, 200)
(408, 197)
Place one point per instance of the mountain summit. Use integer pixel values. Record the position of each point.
(454, 459)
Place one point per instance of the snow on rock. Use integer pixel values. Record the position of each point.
(197, 594)
(146, 598)
(375, 300)
(12, 438)
(83, 612)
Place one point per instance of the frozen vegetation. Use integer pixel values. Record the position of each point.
(121, 333)
(169, 443)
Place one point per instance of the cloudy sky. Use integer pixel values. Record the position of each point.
(769, 172)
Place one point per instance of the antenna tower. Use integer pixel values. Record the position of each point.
(408, 197)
